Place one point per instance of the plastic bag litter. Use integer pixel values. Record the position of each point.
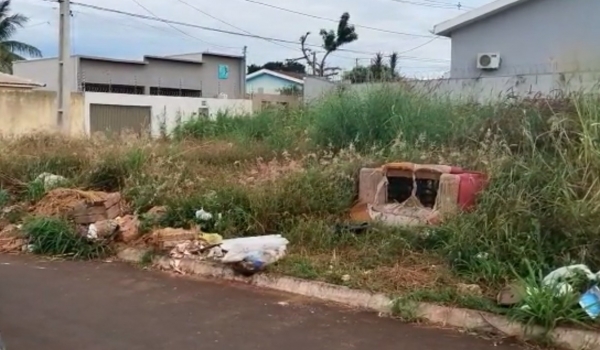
(238, 249)
(249, 255)
(590, 302)
(211, 238)
(556, 278)
(102, 229)
(203, 215)
(51, 181)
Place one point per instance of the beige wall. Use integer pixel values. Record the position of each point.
(168, 111)
(260, 101)
(35, 111)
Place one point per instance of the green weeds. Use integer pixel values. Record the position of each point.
(539, 212)
(56, 237)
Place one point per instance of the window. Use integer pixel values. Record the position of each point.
(162, 91)
(114, 88)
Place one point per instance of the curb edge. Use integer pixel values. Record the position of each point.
(473, 320)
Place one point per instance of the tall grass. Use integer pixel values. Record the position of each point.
(542, 204)
(541, 208)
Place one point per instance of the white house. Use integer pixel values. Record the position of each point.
(508, 38)
(266, 81)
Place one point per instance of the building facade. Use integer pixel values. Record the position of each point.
(529, 36)
(270, 82)
(190, 75)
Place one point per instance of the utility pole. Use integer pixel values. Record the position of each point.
(64, 72)
(314, 63)
(243, 82)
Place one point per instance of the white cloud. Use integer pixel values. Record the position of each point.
(107, 34)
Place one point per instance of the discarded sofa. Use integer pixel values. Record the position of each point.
(409, 194)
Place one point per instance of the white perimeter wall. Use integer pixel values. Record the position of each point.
(485, 89)
(167, 110)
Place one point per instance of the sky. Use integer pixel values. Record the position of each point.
(105, 34)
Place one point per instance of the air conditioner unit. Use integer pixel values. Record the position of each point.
(488, 61)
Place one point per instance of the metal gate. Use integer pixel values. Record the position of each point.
(119, 118)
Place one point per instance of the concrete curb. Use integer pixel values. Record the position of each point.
(573, 339)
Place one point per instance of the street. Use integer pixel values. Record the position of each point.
(105, 306)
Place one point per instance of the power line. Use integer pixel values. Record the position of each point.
(37, 24)
(459, 5)
(126, 24)
(179, 30)
(336, 20)
(418, 47)
(439, 5)
(162, 20)
(229, 24)
(273, 42)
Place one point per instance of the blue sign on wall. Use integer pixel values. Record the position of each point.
(223, 71)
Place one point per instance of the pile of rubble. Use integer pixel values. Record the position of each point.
(246, 255)
(102, 217)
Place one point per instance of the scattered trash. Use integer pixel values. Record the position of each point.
(51, 181)
(510, 295)
(252, 254)
(207, 220)
(129, 226)
(170, 237)
(345, 278)
(102, 229)
(558, 278)
(85, 207)
(211, 238)
(482, 255)
(567, 280)
(238, 249)
(188, 248)
(199, 248)
(590, 302)
(203, 215)
(246, 255)
(106, 208)
(408, 194)
(469, 289)
(283, 303)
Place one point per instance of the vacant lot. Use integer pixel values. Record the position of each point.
(295, 172)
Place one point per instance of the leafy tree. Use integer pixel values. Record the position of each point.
(254, 68)
(293, 90)
(332, 40)
(376, 71)
(11, 50)
(288, 66)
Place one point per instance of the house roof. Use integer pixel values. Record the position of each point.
(7, 80)
(143, 61)
(281, 75)
(200, 54)
(446, 28)
(221, 55)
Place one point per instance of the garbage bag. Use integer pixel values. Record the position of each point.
(239, 249)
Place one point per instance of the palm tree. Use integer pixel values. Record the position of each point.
(332, 40)
(11, 50)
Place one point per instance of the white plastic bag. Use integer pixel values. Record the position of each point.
(239, 249)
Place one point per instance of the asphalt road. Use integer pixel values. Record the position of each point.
(105, 306)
